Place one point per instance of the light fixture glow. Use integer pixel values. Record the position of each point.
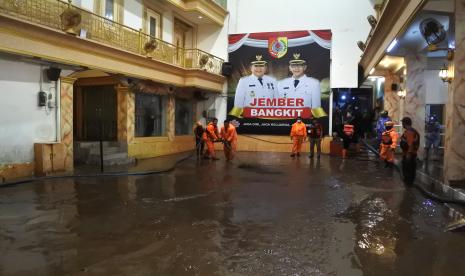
(392, 45)
(200, 17)
(402, 94)
(372, 70)
(343, 97)
(444, 74)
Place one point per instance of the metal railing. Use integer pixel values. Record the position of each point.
(198, 59)
(108, 32)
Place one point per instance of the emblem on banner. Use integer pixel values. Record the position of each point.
(277, 46)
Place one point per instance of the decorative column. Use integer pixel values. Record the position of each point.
(66, 119)
(415, 100)
(126, 114)
(454, 156)
(391, 100)
(171, 107)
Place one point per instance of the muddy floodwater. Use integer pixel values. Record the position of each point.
(262, 214)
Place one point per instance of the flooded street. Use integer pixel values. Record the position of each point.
(282, 217)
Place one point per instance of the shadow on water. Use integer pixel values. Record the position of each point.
(257, 168)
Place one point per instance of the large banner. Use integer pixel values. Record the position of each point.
(277, 77)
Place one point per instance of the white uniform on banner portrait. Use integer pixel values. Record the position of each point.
(253, 87)
(300, 86)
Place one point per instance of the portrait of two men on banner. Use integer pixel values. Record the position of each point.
(277, 77)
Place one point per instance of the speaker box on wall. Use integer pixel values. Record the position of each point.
(394, 87)
(226, 69)
(53, 73)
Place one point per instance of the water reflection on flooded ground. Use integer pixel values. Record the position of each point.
(263, 214)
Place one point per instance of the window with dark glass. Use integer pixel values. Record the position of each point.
(183, 117)
(150, 115)
(153, 27)
(109, 9)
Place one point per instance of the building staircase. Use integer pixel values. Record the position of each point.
(114, 153)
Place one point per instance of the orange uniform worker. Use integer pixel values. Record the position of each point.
(388, 145)
(229, 135)
(298, 136)
(409, 143)
(210, 136)
(347, 138)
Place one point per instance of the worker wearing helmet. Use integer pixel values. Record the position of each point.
(388, 145)
(380, 125)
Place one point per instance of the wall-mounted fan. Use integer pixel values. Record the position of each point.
(433, 31)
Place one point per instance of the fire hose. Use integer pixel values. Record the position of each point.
(425, 192)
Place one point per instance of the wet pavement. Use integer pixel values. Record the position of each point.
(262, 214)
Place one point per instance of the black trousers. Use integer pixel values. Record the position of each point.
(314, 141)
(409, 169)
(199, 145)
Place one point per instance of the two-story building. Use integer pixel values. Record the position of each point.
(135, 74)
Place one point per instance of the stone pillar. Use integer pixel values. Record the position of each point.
(391, 100)
(415, 100)
(66, 119)
(126, 114)
(454, 156)
(170, 112)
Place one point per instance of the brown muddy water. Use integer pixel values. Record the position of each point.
(270, 216)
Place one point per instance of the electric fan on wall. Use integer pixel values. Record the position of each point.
(433, 32)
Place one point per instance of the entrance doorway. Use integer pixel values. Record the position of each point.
(95, 113)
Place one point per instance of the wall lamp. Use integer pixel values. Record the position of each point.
(402, 94)
(372, 20)
(445, 75)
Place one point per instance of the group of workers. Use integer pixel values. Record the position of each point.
(409, 142)
(210, 136)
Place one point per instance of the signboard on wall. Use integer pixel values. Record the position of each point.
(277, 77)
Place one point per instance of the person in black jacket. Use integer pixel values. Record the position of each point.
(199, 142)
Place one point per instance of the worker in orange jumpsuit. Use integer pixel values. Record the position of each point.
(298, 136)
(229, 135)
(409, 143)
(347, 138)
(388, 145)
(211, 136)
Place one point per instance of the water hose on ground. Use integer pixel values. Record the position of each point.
(425, 192)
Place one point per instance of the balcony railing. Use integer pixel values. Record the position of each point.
(111, 33)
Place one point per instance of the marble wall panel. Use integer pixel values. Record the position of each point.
(454, 157)
(415, 100)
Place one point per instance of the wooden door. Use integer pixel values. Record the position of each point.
(99, 116)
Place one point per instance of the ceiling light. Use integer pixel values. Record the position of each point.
(199, 17)
(372, 70)
(392, 45)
